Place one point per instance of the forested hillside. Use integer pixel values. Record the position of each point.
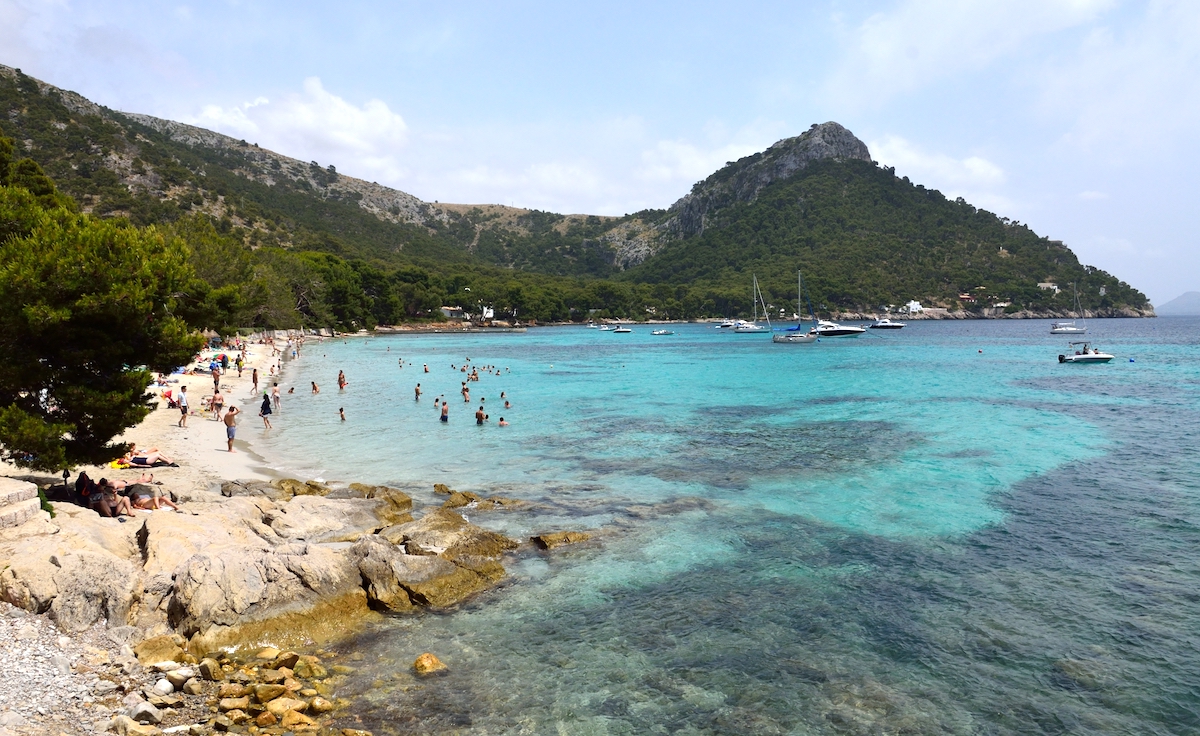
(278, 242)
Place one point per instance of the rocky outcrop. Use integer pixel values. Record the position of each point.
(255, 561)
(743, 180)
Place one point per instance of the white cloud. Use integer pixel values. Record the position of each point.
(315, 124)
(922, 41)
(955, 177)
(1131, 87)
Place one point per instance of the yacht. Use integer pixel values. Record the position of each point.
(797, 335)
(726, 324)
(887, 324)
(1070, 328)
(1083, 353)
(825, 328)
(662, 332)
(622, 329)
(742, 326)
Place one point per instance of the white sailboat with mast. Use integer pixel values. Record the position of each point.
(1071, 328)
(798, 335)
(743, 327)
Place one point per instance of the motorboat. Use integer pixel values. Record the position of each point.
(662, 332)
(605, 328)
(798, 335)
(825, 328)
(622, 329)
(726, 324)
(1071, 328)
(1083, 353)
(887, 324)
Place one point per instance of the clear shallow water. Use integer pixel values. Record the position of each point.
(893, 534)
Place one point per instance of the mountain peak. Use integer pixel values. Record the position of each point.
(742, 180)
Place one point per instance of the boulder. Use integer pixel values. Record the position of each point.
(458, 499)
(442, 488)
(125, 726)
(396, 581)
(294, 487)
(76, 580)
(158, 649)
(317, 519)
(558, 539)
(427, 664)
(267, 653)
(144, 712)
(447, 533)
(285, 659)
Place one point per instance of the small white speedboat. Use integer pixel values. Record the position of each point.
(622, 329)
(1084, 353)
(727, 324)
(825, 328)
(605, 328)
(887, 324)
(663, 332)
(743, 327)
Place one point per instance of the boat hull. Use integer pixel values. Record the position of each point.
(795, 338)
(1094, 358)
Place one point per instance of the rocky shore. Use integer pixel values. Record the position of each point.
(114, 621)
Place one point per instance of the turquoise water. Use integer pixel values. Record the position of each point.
(892, 534)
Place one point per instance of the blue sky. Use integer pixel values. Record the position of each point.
(1075, 116)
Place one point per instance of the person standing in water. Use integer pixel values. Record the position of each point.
(231, 426)
(264, 411)
(445, 411)
(417, 393)
(254, 382)
(341, 380)
(342, 413)
(275, 395)
(480, 416)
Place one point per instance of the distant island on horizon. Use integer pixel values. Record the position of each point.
(1186, 304)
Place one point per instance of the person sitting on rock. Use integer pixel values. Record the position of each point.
(112, 503)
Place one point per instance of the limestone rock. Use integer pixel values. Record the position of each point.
(446, 532)
(266, 718)
(355, 732)
(292, 719)
(396, 580)
(267, 693)
(237, 715)
(320, 705)
(427, 664)
(267, 653)
(298, 488)
(272, 677)
(285, 659)
(126, 726)
(145, 713)
(163, 687)
(158, 649)
(210, 670)
(317, 519)
(310, 668)
(280, 706)
(226, 704)
(192, 687)
(458, 499)
(558, 539)
(178, 677)
(442, 488)
(91, 586)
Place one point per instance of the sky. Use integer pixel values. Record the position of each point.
(1077, 117)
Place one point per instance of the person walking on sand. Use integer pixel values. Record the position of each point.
(275, 396)
(231, 426)
(216, 376)
(239, 363)
(264, 411)
(183, 406)
(254, 382)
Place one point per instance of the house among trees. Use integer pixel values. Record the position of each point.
(453, 312)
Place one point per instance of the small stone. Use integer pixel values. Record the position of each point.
(279, 706)
(272, 677)
(292, 685)
(268, 653)
(320, 705)
(558, 539)
(227, 704)
(126, 726)
(193, 687)
(104, 687)
(221, 723)
(286, 659)
(356, 732)
(232, 690)
(63, 642)
(163, 687)
(427, 664)
(210, 670)
(237, 716)
(145, 713)
(180, 676)
(292, 718)
(267, 693)
(309, 667)
(266, 718)
(309, 692)
(169, 666)
(341, 669)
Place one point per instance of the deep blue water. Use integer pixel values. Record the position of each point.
(892, 534)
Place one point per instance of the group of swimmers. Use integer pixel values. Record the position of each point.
(442, 406)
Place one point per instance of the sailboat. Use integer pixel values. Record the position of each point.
(743, 326)
(1070, 328)
(797, 335)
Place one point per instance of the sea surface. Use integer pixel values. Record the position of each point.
(940, 530)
